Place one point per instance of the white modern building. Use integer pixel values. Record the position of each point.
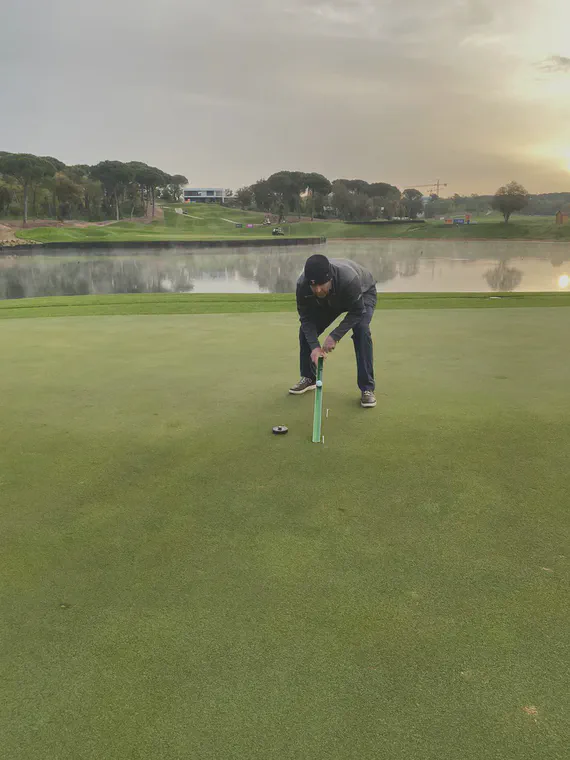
(204, 195)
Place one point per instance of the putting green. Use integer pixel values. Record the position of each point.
(176, 582)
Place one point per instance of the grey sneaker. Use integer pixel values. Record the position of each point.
(305, 384)
(368, 400)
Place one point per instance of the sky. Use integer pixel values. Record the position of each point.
(473, 92)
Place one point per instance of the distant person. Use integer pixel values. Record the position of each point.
(325, 290)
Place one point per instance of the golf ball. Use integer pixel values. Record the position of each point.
(319, 383)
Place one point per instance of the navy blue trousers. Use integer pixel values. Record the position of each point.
(361, 338)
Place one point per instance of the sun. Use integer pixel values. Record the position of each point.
(554, 153)
(564, 154)
(563, 281)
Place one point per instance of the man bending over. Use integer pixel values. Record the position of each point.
(325, 290)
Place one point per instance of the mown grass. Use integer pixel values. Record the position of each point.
(206, 303)
(210, 222)
(177, 582)
(485, 228)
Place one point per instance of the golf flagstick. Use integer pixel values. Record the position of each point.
(318, 414)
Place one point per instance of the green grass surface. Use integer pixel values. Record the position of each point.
(178, 583)
(487, 228)
(210, 224)
(224, 303)
(215, 222)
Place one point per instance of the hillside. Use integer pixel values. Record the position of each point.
(212, 222)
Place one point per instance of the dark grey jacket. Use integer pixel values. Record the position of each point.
(350, 282)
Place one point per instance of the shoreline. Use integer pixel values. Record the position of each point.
(451, 240)
(105, 245)
(242, 242)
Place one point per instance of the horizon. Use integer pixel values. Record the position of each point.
(449, 195)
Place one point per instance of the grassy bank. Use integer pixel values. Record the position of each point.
(159, 303)
(177, 582)
(215, 223)
(484, 228)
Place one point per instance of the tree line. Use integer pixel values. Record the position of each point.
(46, 187)
(312, 194)
(511, 197)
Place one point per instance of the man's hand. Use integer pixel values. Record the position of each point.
(329, 345)
(316, 354)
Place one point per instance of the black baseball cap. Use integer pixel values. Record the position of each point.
(318, 269)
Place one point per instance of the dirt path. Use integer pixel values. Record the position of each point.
(158, 215)
(7, 236)
(6, 233)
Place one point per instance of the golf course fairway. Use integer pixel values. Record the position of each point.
(178, 583)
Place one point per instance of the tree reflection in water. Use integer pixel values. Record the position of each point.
(503, 278)
(59, 276)
(272, 270)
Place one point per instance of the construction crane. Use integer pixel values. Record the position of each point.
(433, 186)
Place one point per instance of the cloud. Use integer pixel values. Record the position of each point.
(228, 92)
(555, 64)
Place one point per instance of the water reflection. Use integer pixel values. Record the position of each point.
(504, 278)
(54, 276)
(399, 266)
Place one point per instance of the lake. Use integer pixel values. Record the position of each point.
(400, 266)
